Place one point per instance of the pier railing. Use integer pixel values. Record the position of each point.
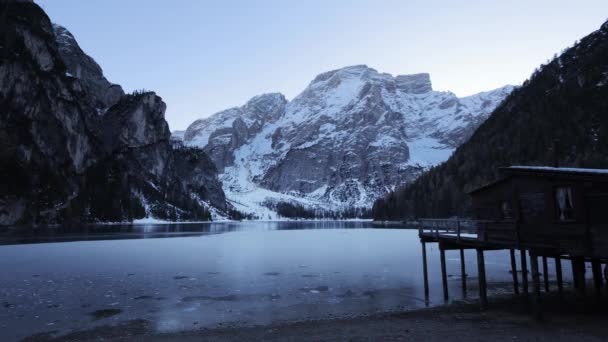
(456, 227)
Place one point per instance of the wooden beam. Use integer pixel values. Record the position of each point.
(536, 285)
(524, 271)
(481, 270)
(463, 273)
(545, 273)
(598, 282)
(444, 274)
(514, 272)
(425, 273)
(558, 274)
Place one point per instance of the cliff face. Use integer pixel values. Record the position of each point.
(73, 147)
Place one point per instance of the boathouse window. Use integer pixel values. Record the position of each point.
(565, 204)
(506, 210)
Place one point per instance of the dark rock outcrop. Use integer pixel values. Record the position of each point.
(74, 148)
(83, 67)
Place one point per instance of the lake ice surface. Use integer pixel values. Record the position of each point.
(223, 274)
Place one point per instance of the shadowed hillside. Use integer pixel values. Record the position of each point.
(564, 100)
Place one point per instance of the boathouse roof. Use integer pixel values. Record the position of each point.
(546, 171)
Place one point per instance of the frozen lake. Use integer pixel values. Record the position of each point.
(181, 277)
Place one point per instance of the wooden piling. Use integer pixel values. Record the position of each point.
(425, 272)
(444, 274)
(596, 267)
(463, 273)
(514, 272)
(524, 271)
(546, 273)
(536, 285)
(558, 274)
(578, 274)
(481, 269)
(574, 274)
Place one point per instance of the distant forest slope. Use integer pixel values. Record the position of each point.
(567, 100)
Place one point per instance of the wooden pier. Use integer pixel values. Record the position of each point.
(540, 212)
(454, 234)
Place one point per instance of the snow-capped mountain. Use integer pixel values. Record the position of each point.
(352, 135)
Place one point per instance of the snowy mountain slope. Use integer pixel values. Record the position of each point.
(353, 134)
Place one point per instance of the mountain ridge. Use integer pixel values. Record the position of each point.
(352, 134)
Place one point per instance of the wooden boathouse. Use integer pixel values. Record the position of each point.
(547, 212)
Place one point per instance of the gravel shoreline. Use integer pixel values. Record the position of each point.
(508, 319)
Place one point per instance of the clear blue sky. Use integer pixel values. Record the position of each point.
(205, 56)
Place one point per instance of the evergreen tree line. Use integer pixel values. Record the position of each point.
(299, 211)
(559, 114)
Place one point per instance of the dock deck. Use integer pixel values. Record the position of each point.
(457, 234)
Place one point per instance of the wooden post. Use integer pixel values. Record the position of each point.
(596, 267)
(546, 273)
(463, 274)
(514, 271)
(425, 272)
(558, 274)
(536, 285)
(481, 270)
(578, 274)
(444, 274)
(574, 274)
(524, 271)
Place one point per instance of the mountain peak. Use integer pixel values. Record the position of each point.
(348, 70)
(65, 39)
(269, 106)
(415, 83)
(267, 97)
(411, 84)
(84, 67)
(359, 68)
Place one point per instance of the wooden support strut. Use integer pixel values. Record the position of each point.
(463, 274)
(425, 273)
(546, 273)
(524, 271)
(444, 275)
(578, 274)
(596, 267)
(575, 278)
(514, 272)
(483, 291)
(558, 274)
(536, 284)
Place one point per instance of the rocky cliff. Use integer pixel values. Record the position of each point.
(352, 135)
(75, 148)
